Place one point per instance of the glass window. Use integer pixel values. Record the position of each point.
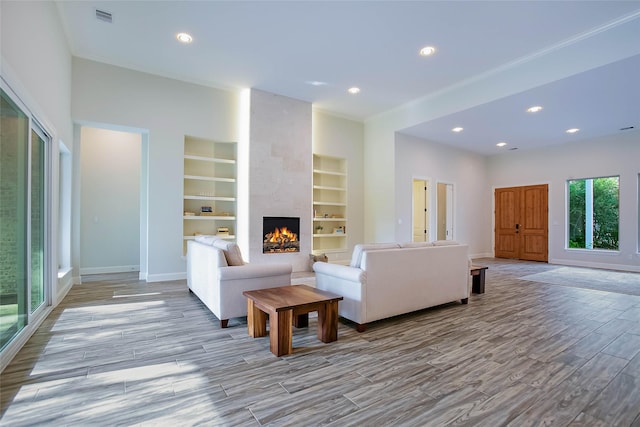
(24, 148)
(594, 213)
(14, 137)
(38, 150)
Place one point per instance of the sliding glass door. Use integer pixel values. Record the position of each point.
(23, 212)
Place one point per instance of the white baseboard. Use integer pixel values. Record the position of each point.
(65, 283)
(166, 277)
(603, 265)
(107, 270)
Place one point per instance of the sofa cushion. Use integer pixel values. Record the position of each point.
(206, 239)
(231, 251)
(415, 244)
(356, 257)
(445, 243)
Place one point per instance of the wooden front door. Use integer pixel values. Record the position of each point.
(521, 222)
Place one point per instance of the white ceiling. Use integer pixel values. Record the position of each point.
(580, 60)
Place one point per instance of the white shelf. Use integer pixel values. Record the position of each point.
(213, 198)
(329, 198)
(229, 237)
(209, 178)
(327, 172)
(317, 203)
(209, 159)
(209, 218)
(322, 187)
(210, 167)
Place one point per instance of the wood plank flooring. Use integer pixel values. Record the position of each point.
(118, 351)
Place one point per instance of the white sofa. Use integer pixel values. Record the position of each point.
(217, 274)
(385, 280)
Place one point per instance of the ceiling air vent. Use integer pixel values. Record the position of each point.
(104, 16)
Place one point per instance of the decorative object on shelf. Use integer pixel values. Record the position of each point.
(206, 211)
(319, 229)
(338, 230)
(187, 213)
(317, 258)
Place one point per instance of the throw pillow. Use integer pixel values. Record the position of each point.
(231, 251)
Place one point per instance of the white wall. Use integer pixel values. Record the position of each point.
(167, 110)
(417, 158)
(36, 63)
(339, 137)
(110, 164)
(600, 157)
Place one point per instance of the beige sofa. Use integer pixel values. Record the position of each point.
(217, 274)
(385, 280)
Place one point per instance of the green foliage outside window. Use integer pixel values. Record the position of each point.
(606, 196)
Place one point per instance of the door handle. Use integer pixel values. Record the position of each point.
(517, 228)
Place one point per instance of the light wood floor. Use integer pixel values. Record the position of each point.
(124, 352)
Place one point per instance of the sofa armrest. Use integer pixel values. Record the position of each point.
(351, 274)
(253, 271)
(349, 282)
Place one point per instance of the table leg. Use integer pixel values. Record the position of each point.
(478, 282)
(328, 322)
(256, 320)
(280, 333)
(301, 320)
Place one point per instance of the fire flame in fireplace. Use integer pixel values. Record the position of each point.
(281, 236)
(281, 240)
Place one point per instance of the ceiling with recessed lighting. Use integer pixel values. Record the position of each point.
(488, 63)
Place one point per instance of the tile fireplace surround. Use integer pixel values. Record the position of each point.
(280, 173)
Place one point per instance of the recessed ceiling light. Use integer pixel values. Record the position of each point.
(572, 130)
(316, 83)
(184, 38)
(534, 109)
(458, 129)
(353, 90)
(427, 51)
(501, 144)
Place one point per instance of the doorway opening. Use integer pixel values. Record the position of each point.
(112, 197)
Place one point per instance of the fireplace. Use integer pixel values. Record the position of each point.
(280, 234)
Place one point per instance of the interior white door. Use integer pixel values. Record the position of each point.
(420, 211)
(445, 211)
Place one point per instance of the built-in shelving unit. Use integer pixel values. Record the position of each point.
(329, 205)
(210, 191)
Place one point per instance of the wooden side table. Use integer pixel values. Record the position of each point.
(477, 273)
(287, 306)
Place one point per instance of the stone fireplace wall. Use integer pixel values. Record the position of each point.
(280, 171)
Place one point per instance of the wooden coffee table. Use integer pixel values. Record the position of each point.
(287, 306)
